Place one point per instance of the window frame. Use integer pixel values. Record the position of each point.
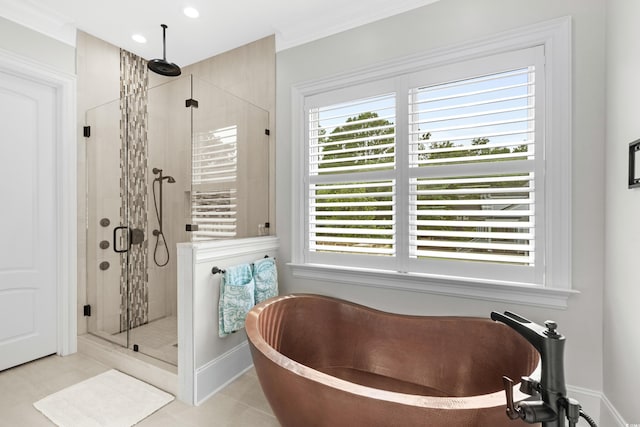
(555, 37)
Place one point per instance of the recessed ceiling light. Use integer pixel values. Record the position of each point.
(191, 12)
(139, 38)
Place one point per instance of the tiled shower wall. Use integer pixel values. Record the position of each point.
(134, 83)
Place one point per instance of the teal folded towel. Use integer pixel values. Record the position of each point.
(237, 290)
(265, 277)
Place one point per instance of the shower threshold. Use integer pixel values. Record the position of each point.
(157, 339)
(151, 370)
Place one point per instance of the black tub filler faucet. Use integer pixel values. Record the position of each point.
(549, 404)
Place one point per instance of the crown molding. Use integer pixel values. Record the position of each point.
(40, 19)
(303, 32)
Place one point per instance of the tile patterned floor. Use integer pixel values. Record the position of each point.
(240, 404)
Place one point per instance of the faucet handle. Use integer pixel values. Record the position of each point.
(551, 329)
(513, 412)
(529, 386)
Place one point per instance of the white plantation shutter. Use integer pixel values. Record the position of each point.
(474, 120)
(353, 137)
(459, 128)
(487, 219)
(351, 160)
(352, 218)
(213, 187)
(442, 175)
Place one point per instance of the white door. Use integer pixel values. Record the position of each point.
(28, 265)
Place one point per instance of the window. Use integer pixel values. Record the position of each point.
(452, 170)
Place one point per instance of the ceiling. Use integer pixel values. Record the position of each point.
(221, 26)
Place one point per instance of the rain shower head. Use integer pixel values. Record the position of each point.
(162, 66)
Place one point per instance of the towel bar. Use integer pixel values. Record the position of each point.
(216, 270)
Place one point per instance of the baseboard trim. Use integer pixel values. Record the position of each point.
(597, 406)
(611, 414)
(590, 400)
(221, 371)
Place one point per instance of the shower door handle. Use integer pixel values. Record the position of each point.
(115, 239)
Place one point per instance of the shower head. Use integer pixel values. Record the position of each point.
(158, 171)
(162, 66)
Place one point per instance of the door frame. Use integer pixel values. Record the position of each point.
(66, 209)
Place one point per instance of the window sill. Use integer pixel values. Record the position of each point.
(442, 285)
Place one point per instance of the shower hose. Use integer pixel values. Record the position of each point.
(158, 233)
(588, 419)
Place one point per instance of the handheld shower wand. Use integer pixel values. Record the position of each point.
(159, 233)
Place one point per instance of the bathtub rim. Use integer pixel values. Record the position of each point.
(489, 400)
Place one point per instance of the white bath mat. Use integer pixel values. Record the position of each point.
(110, 399)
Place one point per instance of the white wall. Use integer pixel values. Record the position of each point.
(622, 288)
(36, 46)
(447, 23)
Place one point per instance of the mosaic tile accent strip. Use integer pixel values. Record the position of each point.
(134, 83)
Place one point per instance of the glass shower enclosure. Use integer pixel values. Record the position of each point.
(188, 163)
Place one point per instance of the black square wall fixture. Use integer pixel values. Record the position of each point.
(634, 164)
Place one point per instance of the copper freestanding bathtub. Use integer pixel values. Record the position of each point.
(326, 362)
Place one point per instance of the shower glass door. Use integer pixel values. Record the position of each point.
(138, 189)
(107, 222)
